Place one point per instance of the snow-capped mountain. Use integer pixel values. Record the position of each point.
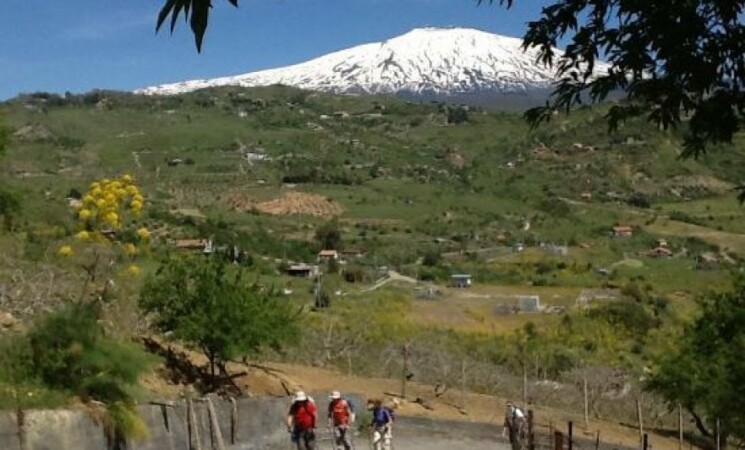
(431, 62)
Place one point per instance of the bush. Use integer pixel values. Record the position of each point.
(639, 200)
(68, 353)
(432, 258)
(630, 315)
(354, 274)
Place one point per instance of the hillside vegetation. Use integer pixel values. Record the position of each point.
(411, 194)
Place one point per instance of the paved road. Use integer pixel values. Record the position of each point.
(424, 443)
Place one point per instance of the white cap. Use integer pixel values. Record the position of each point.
(300, 396)
(335, 395)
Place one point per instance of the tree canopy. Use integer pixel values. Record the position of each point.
(206, 303)
(705, 374)
(675, 61)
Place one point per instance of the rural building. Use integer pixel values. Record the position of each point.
(586, 196)
(660, 252)
(302, 270)
(623, 231)
(461, 280)
(353, 253)
(328, 255)
(529, 303)
(203, 245)
(662, 243)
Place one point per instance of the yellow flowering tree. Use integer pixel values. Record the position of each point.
(108, 231)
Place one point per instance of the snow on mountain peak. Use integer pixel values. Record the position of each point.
(424, 61)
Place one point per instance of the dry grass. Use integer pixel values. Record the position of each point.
(729, 242)
(473, 310)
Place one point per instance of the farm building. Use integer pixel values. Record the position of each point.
(623, 231)
(302, 270)
(460, 280)
(328, 255)
(353, 253)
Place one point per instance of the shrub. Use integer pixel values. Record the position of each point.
(67, 353)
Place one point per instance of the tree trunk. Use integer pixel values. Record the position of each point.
(699, 423)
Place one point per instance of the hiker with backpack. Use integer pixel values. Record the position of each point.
(382, 422)
(301, 421)
(340, 417)
(514, 424)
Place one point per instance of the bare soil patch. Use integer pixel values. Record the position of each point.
(291, 203)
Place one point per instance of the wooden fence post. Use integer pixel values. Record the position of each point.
(233, 421)
(531, 435)
(570, 445)
(640, 419)
(645, 442)
(216, 435)
(597, 441)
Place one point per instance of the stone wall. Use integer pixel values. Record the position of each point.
(214, 424)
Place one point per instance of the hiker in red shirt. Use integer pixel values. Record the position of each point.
(340, 416)
(301, 421)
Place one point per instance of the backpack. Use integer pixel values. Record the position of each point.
(340, 412)
(381, 416)
(303, 414)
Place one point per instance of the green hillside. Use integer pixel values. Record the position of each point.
(399, 172)
(425, 190)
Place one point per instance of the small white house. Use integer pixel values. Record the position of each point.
(461, 280)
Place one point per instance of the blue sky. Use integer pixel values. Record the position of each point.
(58, 46)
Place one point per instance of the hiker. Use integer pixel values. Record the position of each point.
(514, 423)
(301, 421)
(340, 416)
(382, 423)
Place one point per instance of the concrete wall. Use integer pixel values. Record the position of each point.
(245, 424)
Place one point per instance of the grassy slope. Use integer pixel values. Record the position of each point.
(398, 191)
